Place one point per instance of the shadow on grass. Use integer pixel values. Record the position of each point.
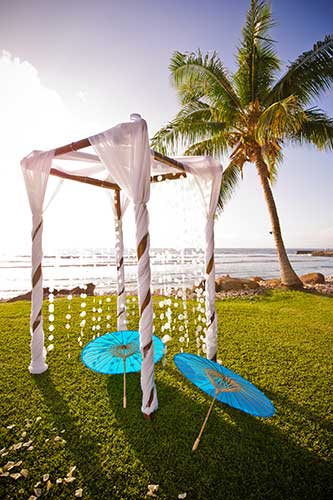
(83, 447)
(239, 457)
(318, 293)
(301, 411)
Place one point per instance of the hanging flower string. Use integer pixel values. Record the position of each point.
(51, 327)
(68, 324)
(83, 314)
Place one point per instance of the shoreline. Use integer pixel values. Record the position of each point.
(169, 269)
(226, 287)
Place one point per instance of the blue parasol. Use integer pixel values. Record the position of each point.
(224, 385)
(118, 353)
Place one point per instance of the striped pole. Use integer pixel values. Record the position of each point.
(149, 394)
(211, 319)
(38, 352)
(36, 169)
(121, 307)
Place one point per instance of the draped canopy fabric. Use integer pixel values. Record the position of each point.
(122, 156)
(36, 168)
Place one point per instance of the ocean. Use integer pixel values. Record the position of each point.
(72, 267)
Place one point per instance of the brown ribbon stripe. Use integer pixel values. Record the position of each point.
(37, 321)
(211, 319)
(37, 274)
(210, 265)
(120, 263)
(151, 397)
(37, 229)
(120, 313)
(145, 302)
(142, 246)
(146, 348)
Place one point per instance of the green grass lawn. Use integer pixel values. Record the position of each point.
(72, 417)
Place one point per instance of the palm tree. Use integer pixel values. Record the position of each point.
(250, 114)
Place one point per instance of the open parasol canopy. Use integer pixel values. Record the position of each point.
(118, 353)
(224, 385)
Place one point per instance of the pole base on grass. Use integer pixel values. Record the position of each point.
(151, 416)
(38, 369)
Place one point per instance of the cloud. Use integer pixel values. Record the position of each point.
(32, 117)
(31, 114)
(82, 95)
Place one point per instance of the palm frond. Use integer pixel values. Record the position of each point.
(230, 180)
(307, 77)
(317, 129)
(203, 76)
(256, 56)
(279, 120)
(216, 145)
(195, 122)
(272, 155)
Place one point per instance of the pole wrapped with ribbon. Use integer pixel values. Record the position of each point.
(36, 168)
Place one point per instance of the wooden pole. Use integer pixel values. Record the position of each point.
(124, 395)
(84, 179)
(107, 184)
(197, 441)
(85, 143)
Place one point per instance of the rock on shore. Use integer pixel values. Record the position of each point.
(313, 279)
(89, 289)
(316, 253)
(225, 286)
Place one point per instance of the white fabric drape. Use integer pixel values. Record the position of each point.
(124, 150)
(208, 175)
(36, 168)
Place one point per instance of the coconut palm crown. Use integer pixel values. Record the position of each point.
(251, 114)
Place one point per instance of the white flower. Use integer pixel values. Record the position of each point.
(166, 338)
(69, 479)
(16, 475)
(24, 472)
(152, 489)
(9, 465)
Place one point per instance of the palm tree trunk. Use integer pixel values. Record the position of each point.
(288, 276)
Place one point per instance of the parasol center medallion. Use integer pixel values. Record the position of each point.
(123, 350)
(221, 382)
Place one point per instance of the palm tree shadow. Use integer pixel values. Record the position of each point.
(301, 410)
(82, 446)
(239, 456)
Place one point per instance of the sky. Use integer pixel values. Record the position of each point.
(70, 69)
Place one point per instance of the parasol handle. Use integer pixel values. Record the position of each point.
(197, 441)
(124, 395)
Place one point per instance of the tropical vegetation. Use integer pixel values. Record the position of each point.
(253, 113)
